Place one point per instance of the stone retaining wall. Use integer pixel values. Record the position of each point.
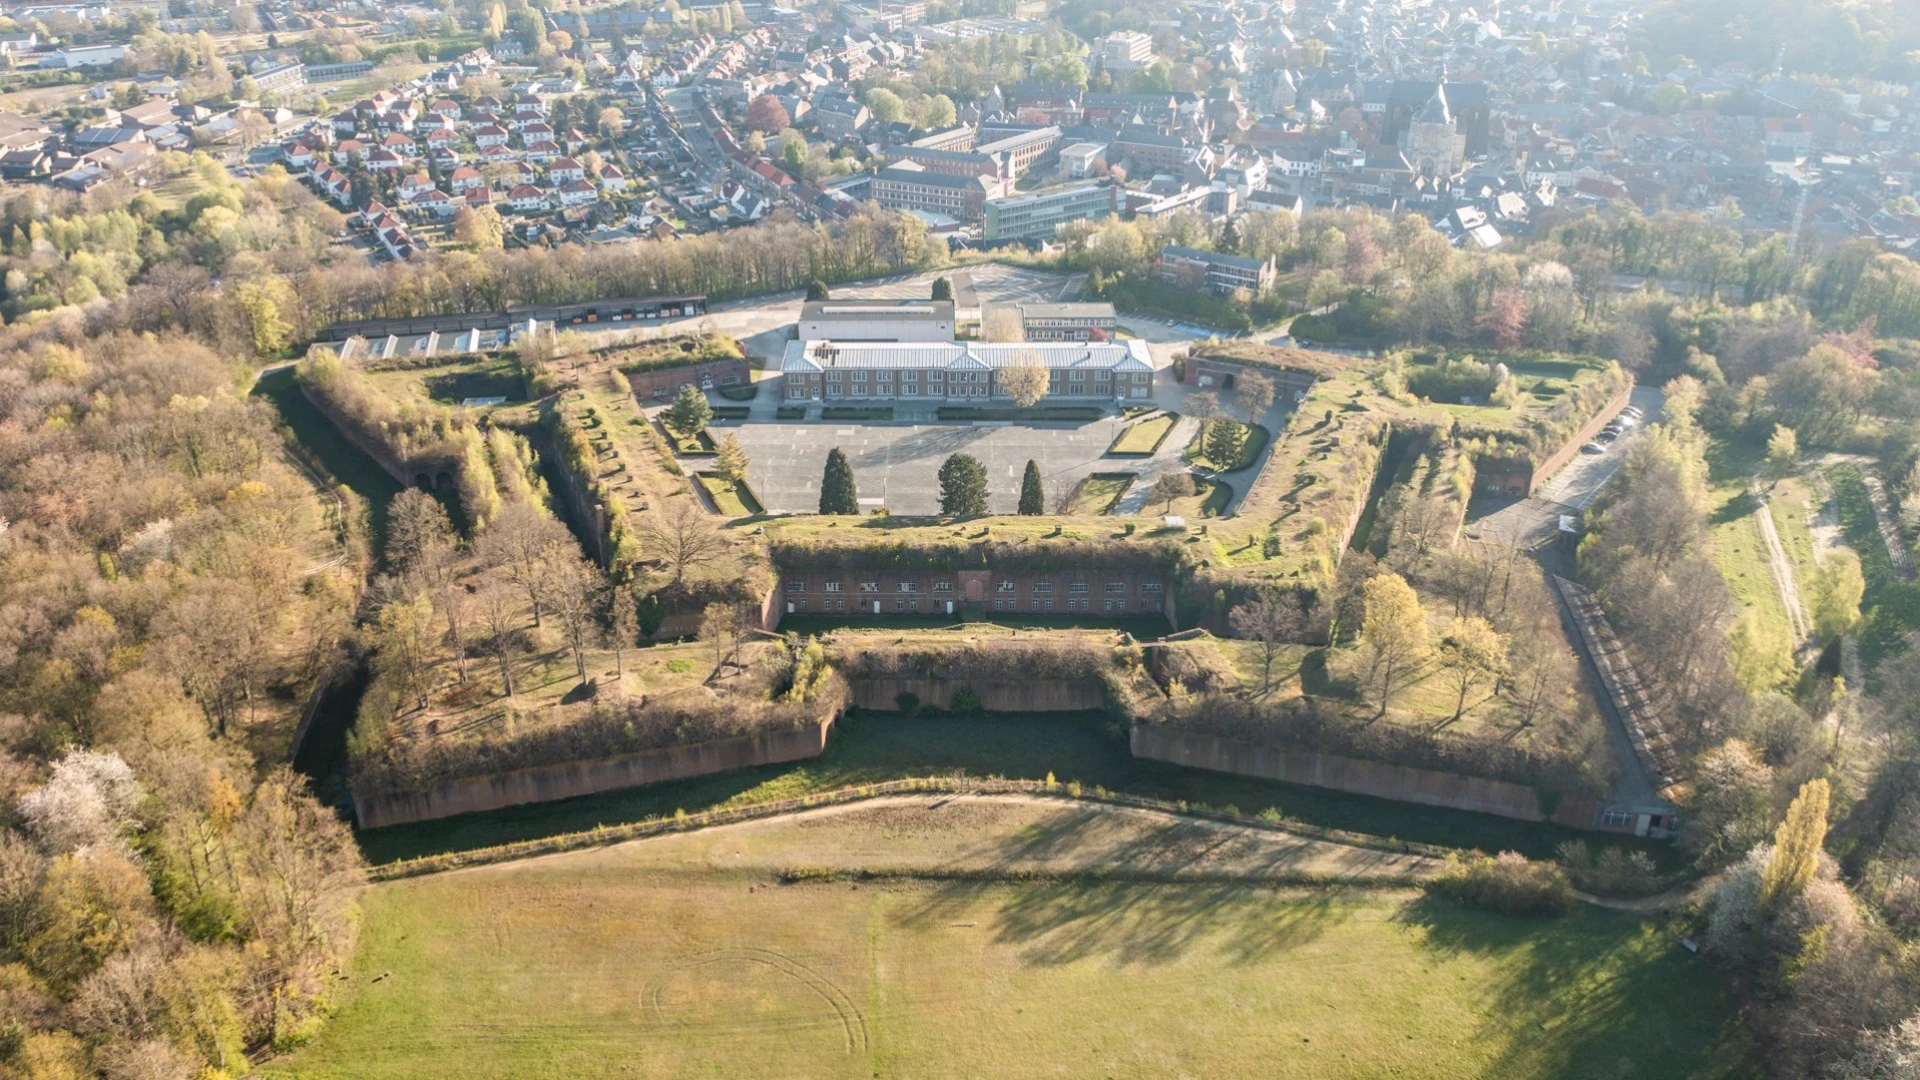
(401, 471)
(545, 783)
(1429, 787)
(996, 695)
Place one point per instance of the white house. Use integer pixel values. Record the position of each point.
(527, 198)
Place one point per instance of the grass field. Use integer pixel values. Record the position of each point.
(1891, 607)
(687, 957)
(1143, 438)
(1738, 549)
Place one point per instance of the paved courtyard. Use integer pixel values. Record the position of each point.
(896, 465)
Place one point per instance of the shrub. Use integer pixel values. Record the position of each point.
(1451, 379)
(1510, 884)
(965, 700)
(1615, 870)
(907, 702)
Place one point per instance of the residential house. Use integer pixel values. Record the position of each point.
(526, 198)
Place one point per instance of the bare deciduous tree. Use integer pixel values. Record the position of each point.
(1256, 394)
(1170, 486)
(516, 542)
(683, 537)
(1002, 322)
(721, 624)
(1271, 619)
(499, 607)
(573, 592)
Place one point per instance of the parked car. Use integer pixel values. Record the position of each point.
(1593, 448)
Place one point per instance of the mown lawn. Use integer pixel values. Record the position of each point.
(1250, 449)
(1210, 499)
(689, 961)
(871, 747)
(698, 444)
(1143, 438)
(1097, 493)
(732, 500)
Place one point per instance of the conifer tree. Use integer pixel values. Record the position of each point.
(963, 486)
(1033, 501)
(1225, 439)
(838, 495)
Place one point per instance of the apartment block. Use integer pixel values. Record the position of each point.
(909, 187)
(1024, 217)
(1191, 268)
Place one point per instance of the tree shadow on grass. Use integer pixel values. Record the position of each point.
(1740, 506)
(1062, 922)
(1148, 921)
(1594, 994)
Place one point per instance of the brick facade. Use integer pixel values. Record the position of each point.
(857, 592)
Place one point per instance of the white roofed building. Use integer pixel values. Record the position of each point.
(1093, 372)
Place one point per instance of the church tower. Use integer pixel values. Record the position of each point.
(1433, 144)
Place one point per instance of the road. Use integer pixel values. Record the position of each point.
(1532, 524)
(1533, 521)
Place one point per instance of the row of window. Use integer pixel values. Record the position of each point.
(879, 376)
(911, 604)
(1113, 588)
(886, 375)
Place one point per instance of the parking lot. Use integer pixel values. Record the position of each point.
(896, 466)
(1533, 521)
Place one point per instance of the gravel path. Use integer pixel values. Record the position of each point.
(1782, 568)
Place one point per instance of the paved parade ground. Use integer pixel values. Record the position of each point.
(895, 465)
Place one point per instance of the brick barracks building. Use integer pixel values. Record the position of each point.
(872, 592)
(1096, 372)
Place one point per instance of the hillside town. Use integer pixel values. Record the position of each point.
(626, 122)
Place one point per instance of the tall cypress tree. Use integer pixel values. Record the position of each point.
(1033, 501)
(837, 492)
